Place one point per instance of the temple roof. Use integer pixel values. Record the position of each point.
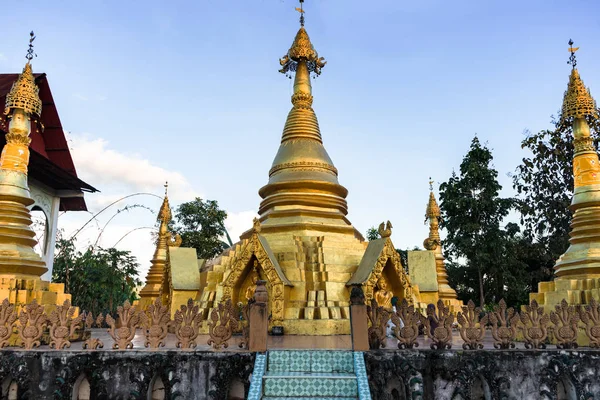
(51, 162)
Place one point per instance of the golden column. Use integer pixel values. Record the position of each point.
(434, 243)
(18, 260)
(154, 280)
(578, 269)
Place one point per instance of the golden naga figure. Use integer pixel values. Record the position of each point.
(383, 296)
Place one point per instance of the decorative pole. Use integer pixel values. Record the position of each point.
(17, 240)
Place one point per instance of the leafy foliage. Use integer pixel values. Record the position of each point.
(201, 224)
(372, 234)
(98, 279)
(481, 267)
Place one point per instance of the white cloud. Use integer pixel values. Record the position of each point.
(238, 223)
(107, 168)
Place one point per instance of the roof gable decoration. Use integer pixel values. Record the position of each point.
(371, 268)
(258, 247)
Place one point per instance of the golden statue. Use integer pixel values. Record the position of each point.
(251, 288)
(383, 296)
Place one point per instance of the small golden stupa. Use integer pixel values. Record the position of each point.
(577, 271)
(20, 266)
(433, 243)
(154, 280)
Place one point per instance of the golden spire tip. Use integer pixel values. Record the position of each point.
(166, 187)
(430, 184)
(30, 52)
(572, 60)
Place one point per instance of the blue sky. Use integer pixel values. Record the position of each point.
(192, 89)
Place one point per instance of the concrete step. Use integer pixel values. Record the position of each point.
(309, 384)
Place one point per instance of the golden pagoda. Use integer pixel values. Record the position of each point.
(577, 271)
(154, 280)
(20, 266)
(303, 245)
(434, 243)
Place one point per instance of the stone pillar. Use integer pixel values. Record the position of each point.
(259, 319)
(358, 320)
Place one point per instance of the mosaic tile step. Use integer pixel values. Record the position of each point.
(299, 374)
(255, 392)
(311, 386)
(311, 361)
(309, 398)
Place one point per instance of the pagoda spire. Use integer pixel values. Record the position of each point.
(434, 243)
(303, 181)
(582, 258)
(154, 279)
(17, 239)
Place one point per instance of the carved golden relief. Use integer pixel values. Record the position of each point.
(578, 101)
(535, 326)
(187, 322)
(93, 343)
(388, 252)
(590, 316)
(63, 325)
(385, 230)
(8, 316)
(438, 325)
(504, 326)
(586, 169)
(24, 93)
(32, 322)
(238, 267)
(129, 318)
(222, 323)
(156, 320)
(584, 144)
(472, 329)
(378, 319)
(406, 329)
(566, 321)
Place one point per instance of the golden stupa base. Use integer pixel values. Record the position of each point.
(577, 292)
(21, 290)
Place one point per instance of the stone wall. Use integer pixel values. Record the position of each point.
(40, 374)
(483, 374)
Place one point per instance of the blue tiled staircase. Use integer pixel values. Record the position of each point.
(309, 374)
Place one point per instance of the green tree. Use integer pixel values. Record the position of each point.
(472, 214)
(544, 185)
(201, 225)
(372, 234)
(99, 280)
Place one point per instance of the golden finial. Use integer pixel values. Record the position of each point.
(24, 93)
(302, 50)
(578, 101)
(30, 53)
(301, 11)
(256, 228)
(164, 215)
(572, 60)
(385, 230)
(433, 210)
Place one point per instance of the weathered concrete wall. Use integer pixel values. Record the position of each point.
(484, 374)
(126, 374)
